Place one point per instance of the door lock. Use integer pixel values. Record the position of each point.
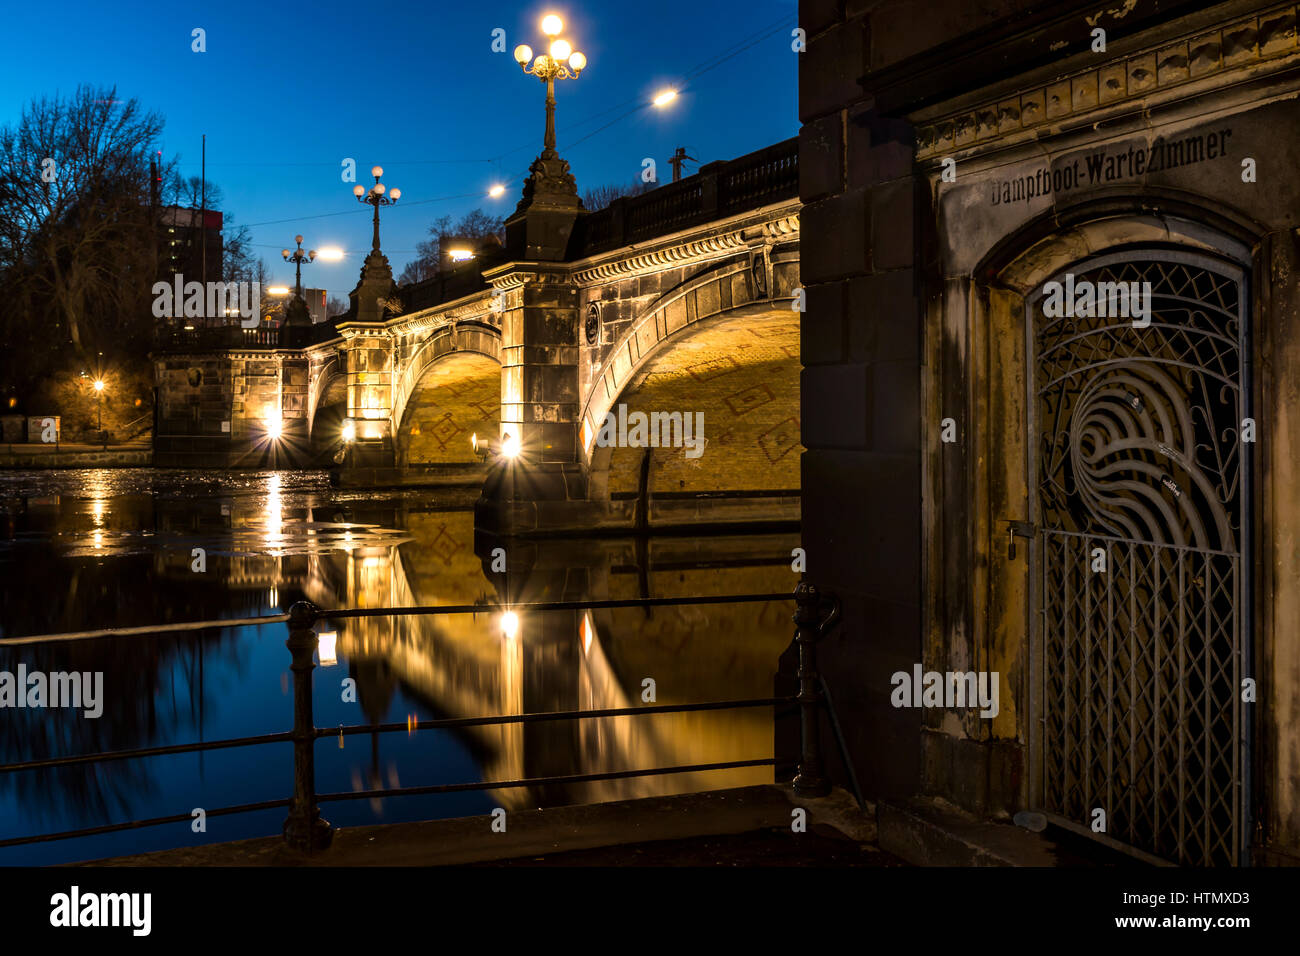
(1024, 529)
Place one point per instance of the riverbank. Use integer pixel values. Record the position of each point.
(74, 456)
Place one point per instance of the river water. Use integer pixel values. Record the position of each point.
(83, 549)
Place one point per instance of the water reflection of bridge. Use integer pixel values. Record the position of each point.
(464, 665)
(403, 551)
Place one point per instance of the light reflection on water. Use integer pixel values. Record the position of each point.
(82, 549)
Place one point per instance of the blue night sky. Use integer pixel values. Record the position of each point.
(286, 91)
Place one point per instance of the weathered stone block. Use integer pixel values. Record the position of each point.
(821, 157)
(834, 403)
(833, 240)
(821, 331)
(829, 70)
(884, 317)
(892, 225)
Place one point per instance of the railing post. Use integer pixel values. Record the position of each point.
(710, 175)
(811, 779)
(304, 829)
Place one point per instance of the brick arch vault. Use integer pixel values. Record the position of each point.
(456, 396)
(737, 374)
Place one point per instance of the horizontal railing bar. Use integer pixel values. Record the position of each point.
(150, 752)
(552, 715)
(137, 631)
(137, 824)
(535, 781)
(550, 606)
(1060, 532)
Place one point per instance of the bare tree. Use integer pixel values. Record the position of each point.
(78, 230)
(598, 197)
(77, 235)
(473, 225)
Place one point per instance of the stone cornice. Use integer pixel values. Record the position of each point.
(1239, 46)
(717, 240)
(1039, 36)
(512, 275)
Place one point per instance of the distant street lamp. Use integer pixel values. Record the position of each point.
(99, 393)
(375, 197)
(298, 257)
(562, 62)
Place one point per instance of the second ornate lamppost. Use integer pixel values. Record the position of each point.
(376, 197)
(298, 257)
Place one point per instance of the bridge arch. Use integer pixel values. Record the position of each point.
(737, 288)
(482, 338)
(327, 405)
(722, 350)
(454, 395)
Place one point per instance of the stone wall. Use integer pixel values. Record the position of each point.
(917, 291)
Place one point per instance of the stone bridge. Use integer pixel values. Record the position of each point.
(680, 300)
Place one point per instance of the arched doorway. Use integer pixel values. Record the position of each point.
(1140, 497)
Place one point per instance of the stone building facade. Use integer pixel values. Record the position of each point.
(1048, 395)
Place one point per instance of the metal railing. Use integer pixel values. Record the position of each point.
(220, 337)
(305, 829)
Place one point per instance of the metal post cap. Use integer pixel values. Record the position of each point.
(302, 614)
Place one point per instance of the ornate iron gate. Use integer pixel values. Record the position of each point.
(1142, 486)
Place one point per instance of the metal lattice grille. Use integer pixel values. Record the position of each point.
(1140, 473)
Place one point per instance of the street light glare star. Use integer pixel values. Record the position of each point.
(552, 25)
(331, 254)
(99, 384)
(497, 191)
(510, 624)
(666, 97)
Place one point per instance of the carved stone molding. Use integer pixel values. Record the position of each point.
(709, 243)
(1242, 43)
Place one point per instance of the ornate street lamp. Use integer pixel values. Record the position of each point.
(376, 197)
(562, 62)
(298, 257)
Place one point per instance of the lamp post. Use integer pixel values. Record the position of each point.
(298, 257)
(99, 424)
(561, 62)
(376, 197)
